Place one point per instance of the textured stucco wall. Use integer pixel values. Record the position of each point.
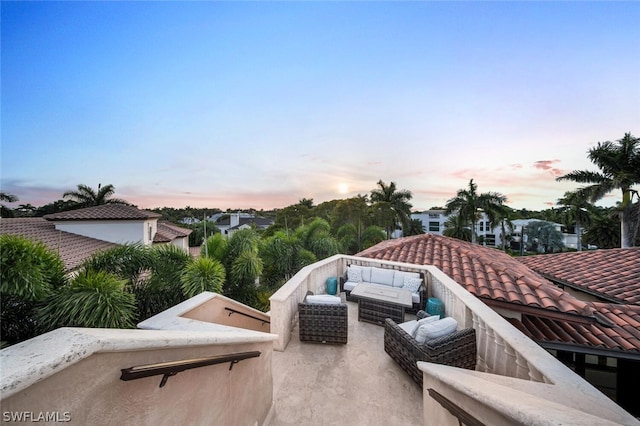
(92, 393)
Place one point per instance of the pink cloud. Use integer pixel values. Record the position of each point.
(548, 165)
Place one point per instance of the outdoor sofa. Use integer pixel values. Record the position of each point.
(411, 281)
(457, 349)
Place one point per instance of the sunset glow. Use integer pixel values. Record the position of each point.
(261, 104)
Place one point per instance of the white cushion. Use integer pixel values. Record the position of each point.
(354, 273)
(350, 285)
(409, 326)
(436, 329)
(399, 278)
(323, 299)
(382, 276)
(366, 274)
(412, 284)
(415, 297)
(425, 320)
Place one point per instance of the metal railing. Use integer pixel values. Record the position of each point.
(171, 368)
(233, 311)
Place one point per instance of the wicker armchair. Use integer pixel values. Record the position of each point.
(322, 323)
(457, 349)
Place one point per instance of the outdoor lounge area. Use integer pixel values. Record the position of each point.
(271, 377)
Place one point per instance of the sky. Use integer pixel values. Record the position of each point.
(260, 104)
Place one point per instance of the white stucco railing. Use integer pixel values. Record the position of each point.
(507, 359)
(526, 384)
(74, 374)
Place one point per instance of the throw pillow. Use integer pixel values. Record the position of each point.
(426, 320)
(354, 275)
(323, 299)
(408, 326)
(412, 284)
(433, 330)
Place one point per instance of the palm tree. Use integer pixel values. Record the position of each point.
(316, 237)
(85, 196)
(243, 266)
(545, 234)
(469, 204)
(576, 210)
(202, 274)
(93, 299)
(457, 227)
(392, 206)
(604, 229)
(353, 239)
(28, 273)
(619, 164)
(7, 198)
(416, 227)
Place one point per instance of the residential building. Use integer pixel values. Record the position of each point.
(78, 234)
(433, 222)
(236, 221)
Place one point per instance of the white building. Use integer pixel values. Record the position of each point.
(433, 222)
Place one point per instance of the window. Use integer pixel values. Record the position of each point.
(150, 233)
(434, 226)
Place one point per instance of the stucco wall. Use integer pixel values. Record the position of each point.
(92, 393)
(119, 232)
(213, 310)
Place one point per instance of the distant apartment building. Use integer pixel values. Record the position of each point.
(433, 222)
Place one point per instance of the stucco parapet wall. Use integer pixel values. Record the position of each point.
(522, 402)
(172, 319)
(36, 359)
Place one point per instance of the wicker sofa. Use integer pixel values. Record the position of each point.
(384, 276)
(457, 349)
(323, 323)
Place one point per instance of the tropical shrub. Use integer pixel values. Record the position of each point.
(202, 274)
(28, 273)
(92, 299)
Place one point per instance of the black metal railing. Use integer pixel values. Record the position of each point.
(233, 311)
(171, 368)
(464, 417)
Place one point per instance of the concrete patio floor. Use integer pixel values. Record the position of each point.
(352, 384)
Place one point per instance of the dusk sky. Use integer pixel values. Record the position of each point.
(261, 104)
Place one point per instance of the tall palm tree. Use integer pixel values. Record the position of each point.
(469, 206)
(576, 211)
(619, 164)
(392, 206)
(85, 196)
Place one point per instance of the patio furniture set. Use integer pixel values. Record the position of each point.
(383, 296)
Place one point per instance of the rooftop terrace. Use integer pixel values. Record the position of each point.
(515, 382)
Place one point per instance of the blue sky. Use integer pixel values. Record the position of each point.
(260, 104)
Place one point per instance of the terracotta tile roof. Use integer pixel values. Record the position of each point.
(488, 273)
(622, 339)
(168, 232)
(104, 212)
(612, 273)
(72, 248)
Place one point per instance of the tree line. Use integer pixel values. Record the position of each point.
(122, 286)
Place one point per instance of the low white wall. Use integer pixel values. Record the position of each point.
(509, 358)
(76, 372)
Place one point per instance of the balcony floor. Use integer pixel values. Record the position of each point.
(356, 383)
